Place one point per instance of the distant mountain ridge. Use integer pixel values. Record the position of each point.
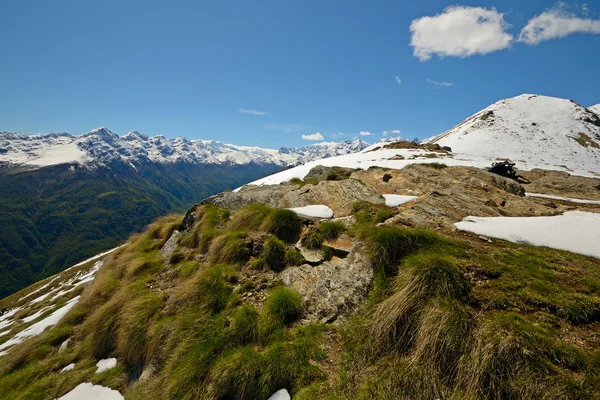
(101, 147)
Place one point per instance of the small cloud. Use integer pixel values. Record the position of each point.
(366, 133)
(314, 136)
(394, 132)
(459, 31)
(283, 127)
(398, 80)
(337, 135)
(251, 112)
(557, 23)
(437, 84)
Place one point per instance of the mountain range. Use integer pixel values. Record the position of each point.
(102, 147)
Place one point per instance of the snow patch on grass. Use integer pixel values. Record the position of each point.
(313, 211)
(88, 391)
(574, 231)
(106, 364)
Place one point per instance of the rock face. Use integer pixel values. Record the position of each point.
(170, 245)
(333, 289)
(321, 172)
(337, 195)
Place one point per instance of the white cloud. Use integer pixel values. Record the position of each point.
(337, 135)
(394, 132)
(459, 31)
(365, 133)
(398, 80)
(556, 23)
(314, 136)
(437, 84)
(283, 127)
(251, 112)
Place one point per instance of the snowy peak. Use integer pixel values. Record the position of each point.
(595, 109)
(102, 147)
(529, 129)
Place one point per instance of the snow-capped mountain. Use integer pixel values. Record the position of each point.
(533, 131)
(102, 147)
(595, 109)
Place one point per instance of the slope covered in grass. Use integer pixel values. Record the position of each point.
(446, 317)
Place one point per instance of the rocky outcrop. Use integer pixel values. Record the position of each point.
(337, 195)
(334, 289)
(321, 172)
(170, 245)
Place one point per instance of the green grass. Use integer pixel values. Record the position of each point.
(284, 305)
(435, 165)
(273, 254)
(229, 248)
(293, 258)
(286, 225)
(312, 240)
(331, 230)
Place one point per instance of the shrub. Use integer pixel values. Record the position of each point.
(293, 257)
(285, 224)
(284, 305)
(312, 240)
(273, 254)
(331, 230)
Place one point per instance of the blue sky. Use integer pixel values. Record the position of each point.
(269, 72)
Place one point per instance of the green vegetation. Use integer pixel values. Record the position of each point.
(447, 318)
(331, 230)
(312, 240)
(293, 257)
(55, 217)
(435, 165)
(367, 212)
(273, 254)
(284, 305)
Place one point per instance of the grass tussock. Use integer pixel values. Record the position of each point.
(331, 230)
(273, 254)
(228, 248)
(284, 305)
(312, 240)
(293, 258)
(284, 224)
(366, 213)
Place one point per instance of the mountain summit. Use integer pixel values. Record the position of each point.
(533, 131)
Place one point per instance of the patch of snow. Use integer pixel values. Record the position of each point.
(574, 231)
(394, 200)
(281, 394)
(35, 315)
(572, 200)
(64, 345)
(4, 318)
(106, 364)
(38, 289)
(88, 391)
(67, 368)
(95, 257)
(313, 211)
(42, 297)
(40, 326)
